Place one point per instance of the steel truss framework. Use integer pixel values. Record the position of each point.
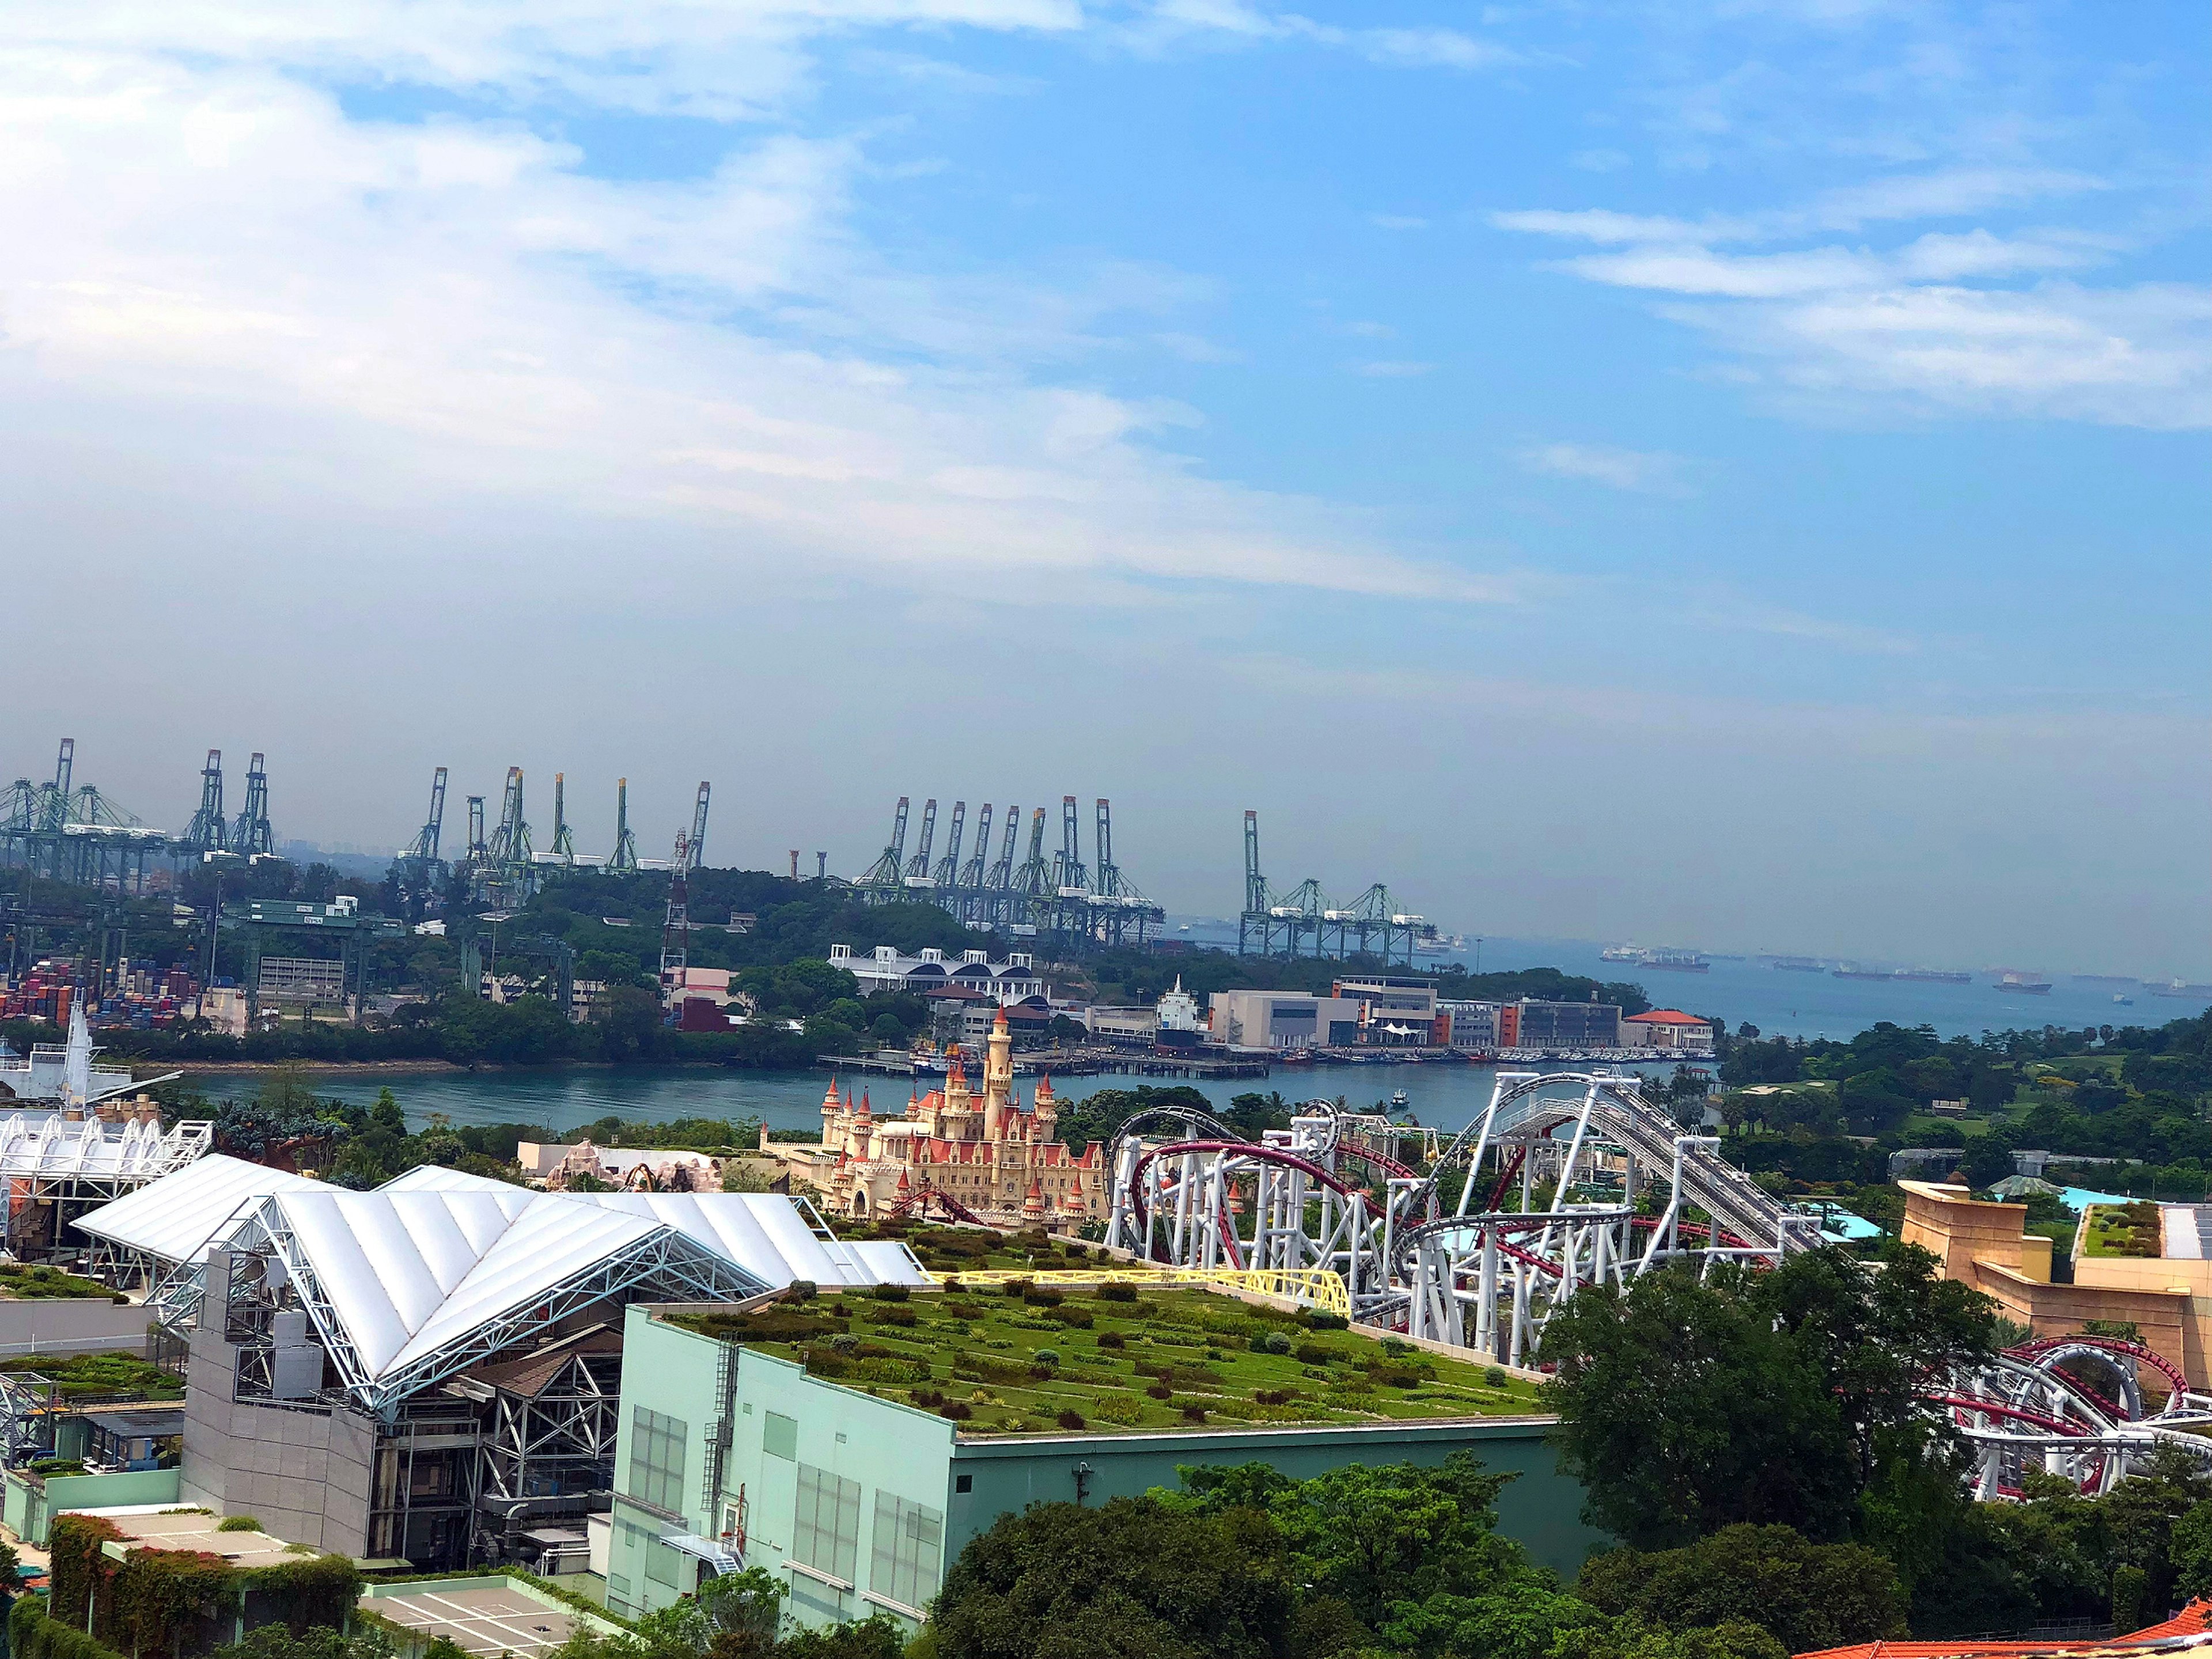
(662, 1262)
(52, 1171)
(1334, 1193)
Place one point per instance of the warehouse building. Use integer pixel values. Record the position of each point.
(737, 1454)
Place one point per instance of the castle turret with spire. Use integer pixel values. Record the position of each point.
(991, 1157)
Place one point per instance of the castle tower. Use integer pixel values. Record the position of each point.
(959, 1102)
(862, 1132)
(1048, 1108)
(833, 1118)
(1033, 1204)
(998, 1078)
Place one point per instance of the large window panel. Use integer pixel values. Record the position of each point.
(656, 1459)
(908, 1546)
(825, 1533)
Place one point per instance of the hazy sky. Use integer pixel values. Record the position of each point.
(1719, 471)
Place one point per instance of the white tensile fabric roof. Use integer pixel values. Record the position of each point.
(406, 1273)
(173, 1218)
(437, 1178)
(47, 1146)
(417, 1284)
(766, 1234)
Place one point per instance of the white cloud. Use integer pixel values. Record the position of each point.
(1927, 323)
(217, 249)
(1650, 470)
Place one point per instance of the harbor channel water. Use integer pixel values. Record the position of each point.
(562, 1098)
(1740, 991)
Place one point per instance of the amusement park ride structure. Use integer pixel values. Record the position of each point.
(1605, 1187)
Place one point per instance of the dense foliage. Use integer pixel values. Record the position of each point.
(1395, 1562)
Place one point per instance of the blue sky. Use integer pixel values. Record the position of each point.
(1718, 471)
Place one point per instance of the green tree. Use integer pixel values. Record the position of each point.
(1807, 1595)
(1683, 1409)
(1634, 1639)
(1061, 1582)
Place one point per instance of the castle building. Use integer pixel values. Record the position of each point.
(984, 1152)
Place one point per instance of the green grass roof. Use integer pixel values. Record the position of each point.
(1069, 1358)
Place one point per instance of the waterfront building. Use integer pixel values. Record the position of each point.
(1014, 980)
(1570, 1025)
(859, 1498)
(1357, 1013)
(1667, 1028)
(985, 1152)
(1471, 1025)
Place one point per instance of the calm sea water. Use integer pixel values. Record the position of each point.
(1809, 1005)
(1445, 1096)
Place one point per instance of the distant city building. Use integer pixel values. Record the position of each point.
(1391, 1013)
(1667, 1028)
(885, 970)
(1125, 1027)
(1470, 1026)
(1561, 1025)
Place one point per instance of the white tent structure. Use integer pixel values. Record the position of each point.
(99, 1158)
(405, 1288)
(147, 1234)
(53, 1165)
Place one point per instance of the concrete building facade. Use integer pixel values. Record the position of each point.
(859, 1504)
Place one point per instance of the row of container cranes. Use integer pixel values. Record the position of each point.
(1061, 897)
(72, 832)
(1303, 921)
(499, 859)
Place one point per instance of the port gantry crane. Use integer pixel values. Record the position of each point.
(966, 899)
(1061, 897)
(696, 849)
(251, 836)
(208, 832)
(70, 832)
(945, 877)
(917, 868)
(622, 860)
(564, 847)
(1302, 922)
(880, 883)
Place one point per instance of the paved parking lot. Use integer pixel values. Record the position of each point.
(482, 1621)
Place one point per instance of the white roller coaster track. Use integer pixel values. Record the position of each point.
(1329, 1195)
(1329, 1192)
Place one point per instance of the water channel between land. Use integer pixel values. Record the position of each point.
(561, 1098)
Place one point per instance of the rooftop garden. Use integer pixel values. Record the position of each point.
(947, 1250)
(27, 1283)
(1032, 1360)
(81, 1374)
(2123, 1229)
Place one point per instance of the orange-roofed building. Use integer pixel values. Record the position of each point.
(2187, 1631)
(1666, 1028)
(985, 1152)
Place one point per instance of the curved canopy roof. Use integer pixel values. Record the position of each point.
(46, 1147)
(766, 1234)
(171, 1220)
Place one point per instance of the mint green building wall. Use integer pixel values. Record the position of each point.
(914, 1456)
(31, 1505)
(675, 1372)
(881, 1447)
(1542, 1507)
